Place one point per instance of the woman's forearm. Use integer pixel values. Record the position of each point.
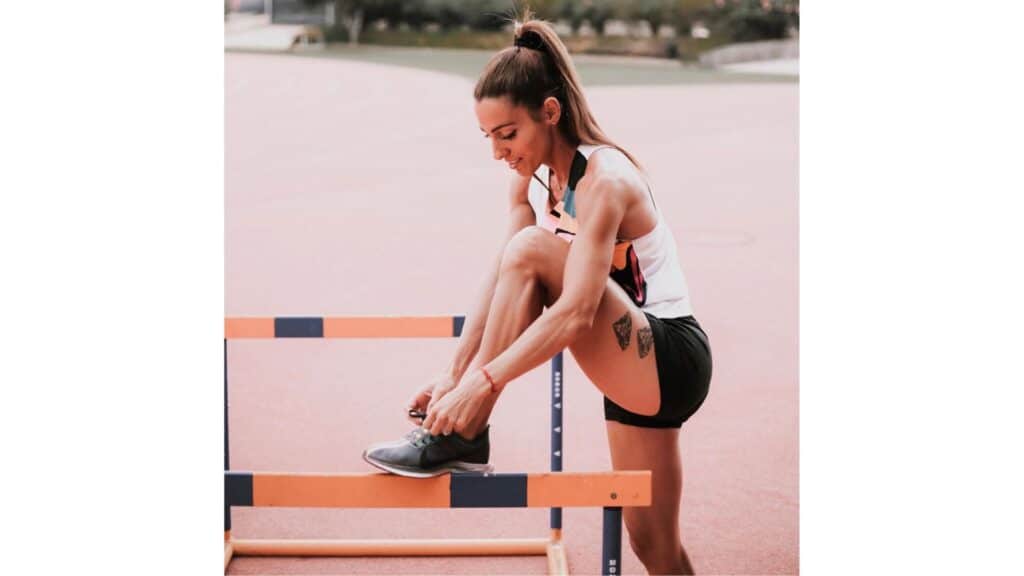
(552, 332)
(520, 216)
(473, 329)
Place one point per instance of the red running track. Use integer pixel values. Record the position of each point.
(360, 189)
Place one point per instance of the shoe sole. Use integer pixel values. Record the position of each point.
(446, 468)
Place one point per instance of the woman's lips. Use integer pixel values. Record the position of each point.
(513, 165)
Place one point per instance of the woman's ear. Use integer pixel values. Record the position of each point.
(552, 110)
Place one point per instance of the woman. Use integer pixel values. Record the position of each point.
(588, 248)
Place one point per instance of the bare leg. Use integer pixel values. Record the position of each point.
(530, 277)
(653, 531)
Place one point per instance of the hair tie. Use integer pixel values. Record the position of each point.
(529, 39)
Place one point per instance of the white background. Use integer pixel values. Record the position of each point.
(112, 292)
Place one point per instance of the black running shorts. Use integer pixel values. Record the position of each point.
(684, 374)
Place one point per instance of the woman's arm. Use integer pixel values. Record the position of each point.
(600, 212)
(521, 215)
(586, 276)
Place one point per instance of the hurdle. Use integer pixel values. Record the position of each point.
(610, 491)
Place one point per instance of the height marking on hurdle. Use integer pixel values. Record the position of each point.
(609, 490)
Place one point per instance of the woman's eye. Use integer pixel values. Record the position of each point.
(509, 136)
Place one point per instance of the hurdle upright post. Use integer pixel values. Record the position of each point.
(228, 547)
(611, 545)
(556, 436)
(227, 461)
(557, 561)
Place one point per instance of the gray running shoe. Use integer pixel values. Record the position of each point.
(422, 455)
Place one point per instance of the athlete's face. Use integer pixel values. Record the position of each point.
(517, 138)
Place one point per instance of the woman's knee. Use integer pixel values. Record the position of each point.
(526, 250)
(651, 542)
(652, 546)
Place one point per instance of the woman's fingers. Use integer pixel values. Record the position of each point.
(421, 398)
(444, 415)
(439, 393)
(438, 419)
(417, 406)
(440, 424)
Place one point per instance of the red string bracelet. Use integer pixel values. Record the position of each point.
(494, 387)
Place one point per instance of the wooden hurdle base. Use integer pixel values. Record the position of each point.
(553, 549)
(609, 490)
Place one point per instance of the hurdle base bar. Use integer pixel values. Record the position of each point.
(370, 548)
(553, 549)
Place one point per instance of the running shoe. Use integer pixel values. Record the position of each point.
(423, 455)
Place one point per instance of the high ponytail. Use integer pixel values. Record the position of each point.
(535, 67)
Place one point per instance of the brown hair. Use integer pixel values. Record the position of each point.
(538, 66)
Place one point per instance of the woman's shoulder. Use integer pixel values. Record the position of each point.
(609, 165)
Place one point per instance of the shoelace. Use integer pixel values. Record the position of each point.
(420, 439)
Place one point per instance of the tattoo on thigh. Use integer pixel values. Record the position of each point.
(623, 329)
(644, 341)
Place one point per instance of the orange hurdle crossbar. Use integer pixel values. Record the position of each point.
(236, 328)
(610, 490)
(456, 490)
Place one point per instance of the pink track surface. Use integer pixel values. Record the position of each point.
(360, 189)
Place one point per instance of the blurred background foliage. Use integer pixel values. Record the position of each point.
(659, 28)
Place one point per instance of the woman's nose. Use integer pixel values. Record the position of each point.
(499, 152)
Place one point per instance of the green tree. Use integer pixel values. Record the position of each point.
(477, 14)
(599, 12)
(447, 13)
(654, 12)
(549, 10)
(572, 12)
(687, 12)
(415, 14)
(390, 11)
(488, 14)
(352, 15)
(751, 20)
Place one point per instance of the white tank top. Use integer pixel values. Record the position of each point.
(647, 268)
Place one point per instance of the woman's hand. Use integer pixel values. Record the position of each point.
(429, 394)
(458, 408)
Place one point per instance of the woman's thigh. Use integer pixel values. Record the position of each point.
(617, 353)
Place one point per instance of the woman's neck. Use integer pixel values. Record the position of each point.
(560, 163)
